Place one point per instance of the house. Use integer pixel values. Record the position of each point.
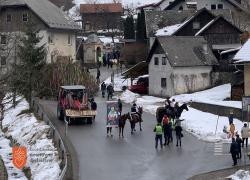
(105, 18)
(243, 58)
(180, 23)
(58, 32)
(179, 64)
(239, 10)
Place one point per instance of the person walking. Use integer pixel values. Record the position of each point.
(232, 129)
(245, 134)
(110, 91)
(239, 142)
(178, 130)
(98, 74)
(93, 105)
(158, 134)
(103, 89)
(231, 117)
(120, 106)
(165, 122)
(234, 151)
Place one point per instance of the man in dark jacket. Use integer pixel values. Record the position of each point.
(178, 130)
(98, 74)
(110, 91)
(120, 105)
(234, 151)
(103, 89)
(239, 142)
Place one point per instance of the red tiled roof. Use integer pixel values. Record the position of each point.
(97, 8)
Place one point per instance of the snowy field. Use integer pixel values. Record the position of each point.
(200, 124)
(27, 131)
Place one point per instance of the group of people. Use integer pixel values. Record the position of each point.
(109, 89)
(238, 142)
(168, 123)
(108, 58)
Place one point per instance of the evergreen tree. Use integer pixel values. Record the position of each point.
(141, 27)
(27, 73)
(129, 30)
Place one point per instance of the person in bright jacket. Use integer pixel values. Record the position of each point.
(245, 134)
(232, 129)
(165, 124)
(158, 134)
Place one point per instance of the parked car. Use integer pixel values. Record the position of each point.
(141, 86)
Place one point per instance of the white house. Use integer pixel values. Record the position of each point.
(57, 30)
(179, 64)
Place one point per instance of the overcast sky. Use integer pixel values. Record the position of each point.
(125, 2)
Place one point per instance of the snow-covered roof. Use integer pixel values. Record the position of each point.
(243, 54)
(205, 27)
(168, 30)
(107, 40)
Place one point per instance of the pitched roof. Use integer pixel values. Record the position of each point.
(101, 8)
(212, 22)
(243, 55)
(50, 14)
(155, 20)
(194, 54)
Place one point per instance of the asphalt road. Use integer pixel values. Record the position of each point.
(134, 156)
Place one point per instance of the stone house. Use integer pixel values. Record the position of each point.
(179, 64)
(101, 18)
(58, 32)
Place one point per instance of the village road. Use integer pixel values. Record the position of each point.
(134, 156)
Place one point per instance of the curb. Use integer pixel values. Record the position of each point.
(219, 174)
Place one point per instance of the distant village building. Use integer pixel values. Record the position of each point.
(64, 4)
(92, 50)
(58, 32)
(102, 18)
(179, 64)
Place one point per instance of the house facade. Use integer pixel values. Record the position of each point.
(101, 18)
(174, 71)
(58, 33)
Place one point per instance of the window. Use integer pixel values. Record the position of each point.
(196, 25)
(156, 61)
(69, 39)
(8, 18)
(163, 82)
(51, 38)
(3, 61)
(25, 17)
(3, 39)
(220, 6)
(213, 6)
(164, 60)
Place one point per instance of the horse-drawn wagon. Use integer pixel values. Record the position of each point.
(73, 104)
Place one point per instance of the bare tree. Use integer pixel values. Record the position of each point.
(91, 1)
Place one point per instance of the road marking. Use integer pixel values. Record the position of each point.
(218, 149)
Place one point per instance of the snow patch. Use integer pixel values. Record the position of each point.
(31, 133)
(240, 175)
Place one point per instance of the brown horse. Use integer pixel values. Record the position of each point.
(122, 122)
(135, 118)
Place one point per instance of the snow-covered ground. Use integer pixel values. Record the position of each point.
(200, 124)
(240, 175)
(27, 131)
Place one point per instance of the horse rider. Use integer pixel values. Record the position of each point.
(134, 110)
